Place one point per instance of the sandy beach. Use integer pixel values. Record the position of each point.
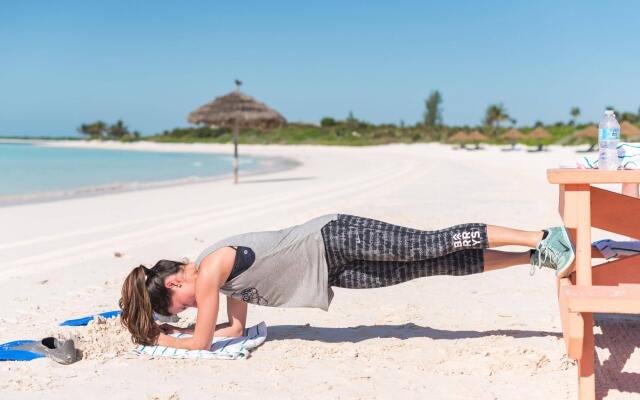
(489, 336)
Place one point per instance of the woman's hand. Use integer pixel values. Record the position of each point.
(165, 340)
(167, 329)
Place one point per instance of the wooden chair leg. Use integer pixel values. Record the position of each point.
(579, 196)
(572, 323)
(586, 364)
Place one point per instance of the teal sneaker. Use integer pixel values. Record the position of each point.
(555, 252)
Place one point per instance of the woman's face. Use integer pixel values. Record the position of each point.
(183, 293)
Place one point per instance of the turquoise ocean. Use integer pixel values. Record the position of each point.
(30, 170)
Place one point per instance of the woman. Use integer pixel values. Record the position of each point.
(296, 267)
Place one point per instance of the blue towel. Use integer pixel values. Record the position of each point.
(85, 320)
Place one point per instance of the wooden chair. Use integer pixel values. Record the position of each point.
(612, 287)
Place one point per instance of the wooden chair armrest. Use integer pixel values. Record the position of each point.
(589, 176)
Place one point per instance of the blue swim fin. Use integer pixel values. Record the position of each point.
(85, 320)
(11, 351)
(60, 351)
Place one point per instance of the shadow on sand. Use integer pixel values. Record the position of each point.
(405, 331)
(621, 336)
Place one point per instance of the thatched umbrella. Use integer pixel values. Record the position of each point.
(539, 134)
(629, 130)
(477, 138)
(237, 111)
(461, 138)
(513, 136)
(589, 133)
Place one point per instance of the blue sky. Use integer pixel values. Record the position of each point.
(151, 63)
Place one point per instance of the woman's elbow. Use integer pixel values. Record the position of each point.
(238, 331)
(200, 347)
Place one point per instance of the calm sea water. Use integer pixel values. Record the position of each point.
(26, 168)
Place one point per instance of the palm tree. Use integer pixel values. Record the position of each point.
(495, 114)
(94, 131)
(118, 130)
(575, 113)
(433, 113)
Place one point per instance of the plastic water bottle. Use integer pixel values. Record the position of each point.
(608, 139)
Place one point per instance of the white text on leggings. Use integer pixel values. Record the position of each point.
(466, 239)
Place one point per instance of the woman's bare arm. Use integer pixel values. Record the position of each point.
(221, 329)
(237, 315)
(214, 271)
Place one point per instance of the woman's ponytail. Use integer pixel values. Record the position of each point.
(143, 293)
(137, 311)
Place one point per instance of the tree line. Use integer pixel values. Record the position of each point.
(354, 131)
(496, 114)
(102, 130)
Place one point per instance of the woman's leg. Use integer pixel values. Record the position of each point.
(363, 274)
(367, 274)
(367, 253)
(350, 238)
(501, 236)
(496, 259)
(358, 238)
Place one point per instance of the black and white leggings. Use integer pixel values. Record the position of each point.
(366, 253)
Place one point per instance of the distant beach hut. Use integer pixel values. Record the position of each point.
(236, 111)
(590, 134)
(461, 138)
(476, 138)
(629, 131)
(513, 136)
(539, 135)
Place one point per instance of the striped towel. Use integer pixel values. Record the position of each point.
(612, 248)
(628, 155)
(221, 349)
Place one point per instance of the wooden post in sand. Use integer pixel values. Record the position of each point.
(235, 153)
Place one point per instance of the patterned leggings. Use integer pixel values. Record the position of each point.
(366, 253)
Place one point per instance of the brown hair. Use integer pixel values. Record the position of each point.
(144, 293)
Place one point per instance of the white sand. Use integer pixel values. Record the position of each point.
(489, 336)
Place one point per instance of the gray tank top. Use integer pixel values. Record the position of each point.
(290, 267)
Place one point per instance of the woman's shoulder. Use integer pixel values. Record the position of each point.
(217, 262)
(215, 247)
(219, 254)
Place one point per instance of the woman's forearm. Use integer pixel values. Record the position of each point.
(176, 343)
(224, 329)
